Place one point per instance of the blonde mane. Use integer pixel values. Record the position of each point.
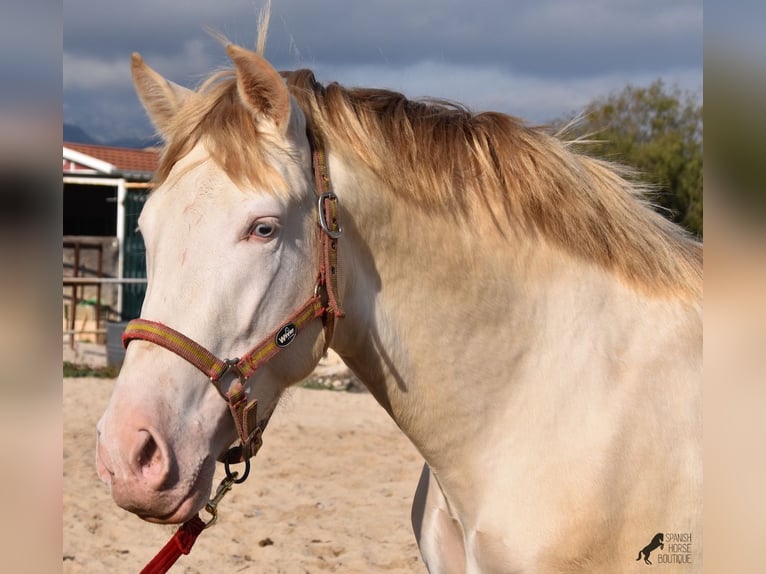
(508, 177)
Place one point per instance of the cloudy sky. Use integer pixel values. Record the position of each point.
(537, 59)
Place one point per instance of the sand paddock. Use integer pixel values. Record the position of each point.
(330, 491)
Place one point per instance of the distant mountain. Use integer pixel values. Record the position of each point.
(76, 134)
(136, 143)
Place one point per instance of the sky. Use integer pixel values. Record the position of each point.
(535, 59)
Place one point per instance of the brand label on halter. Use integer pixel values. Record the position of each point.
(285, 335)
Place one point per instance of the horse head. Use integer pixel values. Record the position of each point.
(231, 244)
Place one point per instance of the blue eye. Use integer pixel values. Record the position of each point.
(263, 229)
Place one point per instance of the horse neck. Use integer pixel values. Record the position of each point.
(446, 323)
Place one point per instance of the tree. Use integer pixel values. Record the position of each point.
(658, 132)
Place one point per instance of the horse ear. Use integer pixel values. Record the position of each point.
(260, 87)
(160, 97)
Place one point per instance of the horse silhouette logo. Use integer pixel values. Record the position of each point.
(657, 542)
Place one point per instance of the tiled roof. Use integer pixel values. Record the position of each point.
(124, 159)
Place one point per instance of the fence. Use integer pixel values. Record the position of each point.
(74, 283)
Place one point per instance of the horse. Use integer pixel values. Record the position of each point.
(658, 541)
(525, 317)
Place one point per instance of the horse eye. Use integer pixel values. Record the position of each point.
(263, 229)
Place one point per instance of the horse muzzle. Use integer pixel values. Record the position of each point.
(144, 479)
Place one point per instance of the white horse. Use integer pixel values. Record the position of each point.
(530, 325)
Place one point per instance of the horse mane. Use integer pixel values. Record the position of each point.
(505, 176)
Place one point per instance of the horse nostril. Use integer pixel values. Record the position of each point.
(149, 452)
(149, 459)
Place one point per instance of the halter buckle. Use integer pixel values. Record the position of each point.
(332, 233)
(231, 364)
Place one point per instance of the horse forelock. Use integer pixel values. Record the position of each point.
(507, 177)
(214, 116)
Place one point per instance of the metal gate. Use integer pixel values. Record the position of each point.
(134, 254)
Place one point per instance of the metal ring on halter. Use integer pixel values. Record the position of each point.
(233, 475)
(231, 365)
(323, 217)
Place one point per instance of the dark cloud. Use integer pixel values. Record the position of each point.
(542, 38)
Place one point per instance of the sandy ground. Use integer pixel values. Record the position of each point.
(330, 491)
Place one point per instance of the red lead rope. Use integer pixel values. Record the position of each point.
(185, 537)
(181, 543)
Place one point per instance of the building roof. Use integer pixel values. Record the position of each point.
(128, 161)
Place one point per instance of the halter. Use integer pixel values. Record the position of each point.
(322, 304)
